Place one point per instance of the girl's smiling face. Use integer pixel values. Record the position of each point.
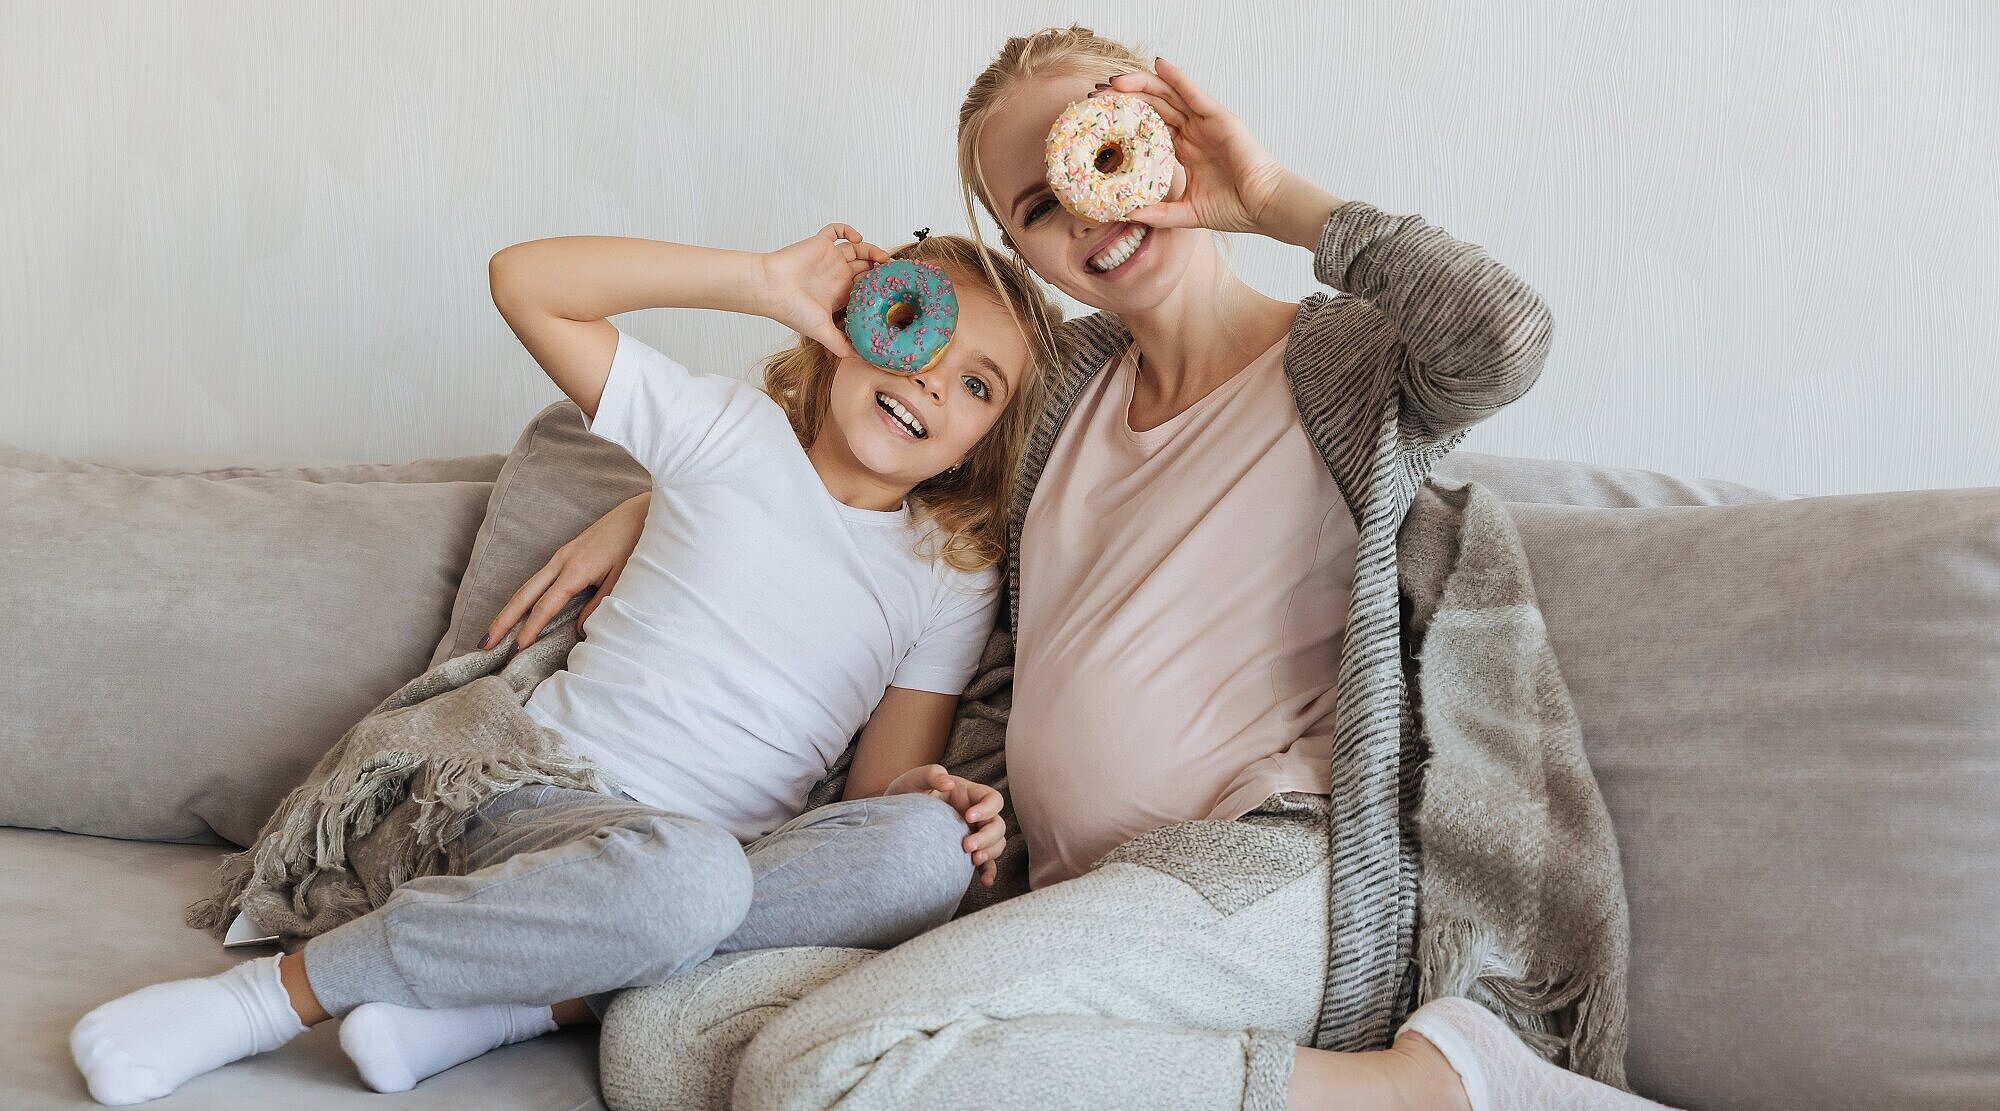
(905, 428)
(1066, 250)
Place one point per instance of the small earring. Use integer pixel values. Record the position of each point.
(953, 469)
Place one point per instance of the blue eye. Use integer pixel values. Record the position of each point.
(978, 387)
(1039, 210)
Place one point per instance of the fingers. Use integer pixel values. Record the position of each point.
(1175, 118)
(1157, 92)
(876, 256)
(835, 340)
(1166, 214)
(555, 598)
(1190, 93)
(517, 606)
(837, 231)
(986, 843)
(597, 599)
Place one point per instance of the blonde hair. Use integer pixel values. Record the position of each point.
(968, 506)
(1058, 51)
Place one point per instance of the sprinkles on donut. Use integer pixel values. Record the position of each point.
(901, 315)
(1109, 155)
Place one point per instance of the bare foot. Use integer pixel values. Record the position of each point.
(1429, 1076)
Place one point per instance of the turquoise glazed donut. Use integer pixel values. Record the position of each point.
(901, 315)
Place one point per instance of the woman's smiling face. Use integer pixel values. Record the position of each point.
(1060, 246)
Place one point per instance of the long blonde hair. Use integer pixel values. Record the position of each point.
(968, 506)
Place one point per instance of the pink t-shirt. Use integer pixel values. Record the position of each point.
(1184, 592)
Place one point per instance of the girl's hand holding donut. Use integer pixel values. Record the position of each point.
(1230, 180)
(805, 282)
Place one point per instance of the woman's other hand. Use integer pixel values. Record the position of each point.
(595, 558)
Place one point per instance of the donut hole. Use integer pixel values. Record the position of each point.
(1109, 158)
(900, 314)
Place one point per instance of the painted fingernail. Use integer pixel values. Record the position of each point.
(486, 642)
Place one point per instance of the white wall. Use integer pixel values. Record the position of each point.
(256, 231)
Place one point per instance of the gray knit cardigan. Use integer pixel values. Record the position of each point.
(1429, 336)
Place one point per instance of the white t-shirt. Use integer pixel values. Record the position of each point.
(759, 621)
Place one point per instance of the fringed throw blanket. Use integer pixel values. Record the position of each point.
(388, 802)
(1522, 897)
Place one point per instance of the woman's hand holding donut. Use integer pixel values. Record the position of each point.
(807, 281)
(1231, 182)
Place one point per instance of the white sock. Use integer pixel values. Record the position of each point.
(1500, 1072)
(394, 1047)
(144, 1045)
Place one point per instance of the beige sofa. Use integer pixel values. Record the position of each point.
(1792, 704)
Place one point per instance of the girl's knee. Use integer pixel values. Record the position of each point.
(934, 839)
(692, 890)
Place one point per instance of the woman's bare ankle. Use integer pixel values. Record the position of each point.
(1430, 1077)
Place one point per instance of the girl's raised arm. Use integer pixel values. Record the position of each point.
(556, 293)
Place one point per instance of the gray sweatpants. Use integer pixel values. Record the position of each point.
(574, 893)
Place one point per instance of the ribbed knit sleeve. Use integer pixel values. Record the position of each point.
(1474, 333)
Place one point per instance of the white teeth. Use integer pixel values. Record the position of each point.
(908, 419)
(1115, 255)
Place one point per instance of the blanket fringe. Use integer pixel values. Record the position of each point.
(300, 894)
(1577, 1022)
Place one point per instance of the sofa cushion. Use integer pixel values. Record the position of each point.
(1564, 482)
(185, 646)
(451, 468)
(557, 481)
(88, 919)
(1793, 710)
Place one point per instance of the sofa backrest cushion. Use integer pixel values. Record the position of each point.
(185, 646)
(1793, 710)
(1563, 482)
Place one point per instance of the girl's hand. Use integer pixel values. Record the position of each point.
(1229, 179)
(596, 557)
(977, 803)
(808, 281)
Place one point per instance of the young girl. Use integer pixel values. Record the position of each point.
(1205, 596)
(820, 559)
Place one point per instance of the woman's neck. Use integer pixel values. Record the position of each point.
(1199, 337)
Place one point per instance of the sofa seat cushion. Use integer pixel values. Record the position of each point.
(90, 918)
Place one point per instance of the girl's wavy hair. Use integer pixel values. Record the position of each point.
(1051, 51)
(967, 507)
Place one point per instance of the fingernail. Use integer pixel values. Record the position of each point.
(486, 642)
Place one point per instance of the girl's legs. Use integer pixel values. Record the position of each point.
(568, 892)
(865, 873)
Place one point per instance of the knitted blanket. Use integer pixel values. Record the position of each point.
(1523, 906)
(1522, 897)
(389, 801)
